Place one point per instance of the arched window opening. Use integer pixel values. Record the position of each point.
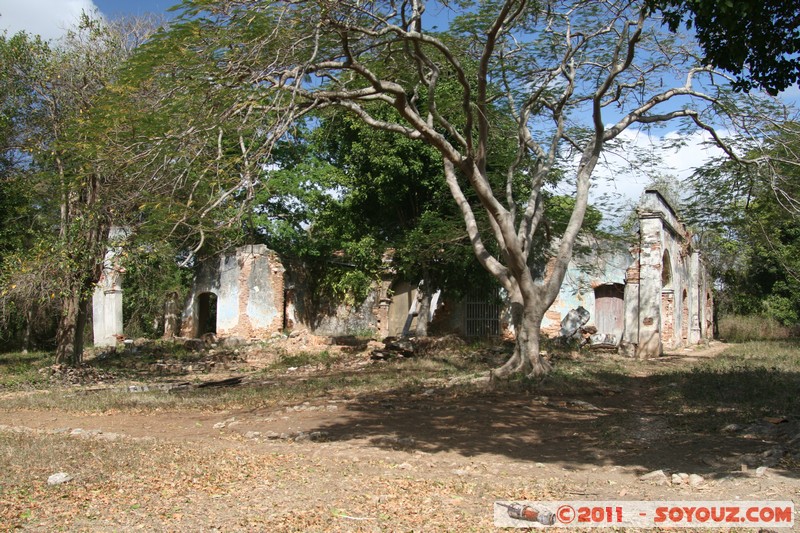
(666, 271)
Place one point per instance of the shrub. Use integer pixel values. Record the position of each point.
(742, 328)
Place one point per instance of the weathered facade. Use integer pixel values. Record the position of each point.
(657, 296)
(239, 295)
(668, 300)
(652, 296)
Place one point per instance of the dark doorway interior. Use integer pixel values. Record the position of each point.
(207, 313)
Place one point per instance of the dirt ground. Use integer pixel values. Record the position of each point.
(431, 460)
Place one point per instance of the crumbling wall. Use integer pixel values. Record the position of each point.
(360, 319)
(664, 286)
(600, 263)
(249, 286)
(308, 310)
(666, 292)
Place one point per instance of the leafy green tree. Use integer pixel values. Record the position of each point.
(362, 193)
(747, 217)
(757, 40)
(70, 178)
(572, 76)
(152, 276)
(20, 55)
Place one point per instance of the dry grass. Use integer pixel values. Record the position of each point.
(232, 484)
(292, 378)
(745, 328)
(156, 486)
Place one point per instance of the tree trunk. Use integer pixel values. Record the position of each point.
(71, 327)
(65, 334)
(423, 308)
(526, 359)
(80, 329)
(26, 334)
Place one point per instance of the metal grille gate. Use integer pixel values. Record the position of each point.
(481, 315)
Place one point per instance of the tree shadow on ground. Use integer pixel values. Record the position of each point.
(684, 420)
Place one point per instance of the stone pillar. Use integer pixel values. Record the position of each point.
(630, 327)
(696, 294)
(650, 259)
(107, 324)
(171, 319)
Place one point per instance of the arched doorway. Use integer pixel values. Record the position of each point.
(666, 271)
(206, 313)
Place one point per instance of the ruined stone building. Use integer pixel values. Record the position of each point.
(240, 294)
(668, 299)
(652, 296)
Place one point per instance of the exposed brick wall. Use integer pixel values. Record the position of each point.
(554, 329)
(667, 318)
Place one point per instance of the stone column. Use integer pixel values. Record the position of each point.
(171, 319)
(650, 259)
(107, 324)
(630, 327)
(696, 293)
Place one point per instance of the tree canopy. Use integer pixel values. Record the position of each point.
(757, 40)
(561, 80)
(747, 217)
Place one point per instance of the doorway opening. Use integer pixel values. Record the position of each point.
(206, 313)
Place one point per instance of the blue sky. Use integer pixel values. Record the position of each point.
(50, 18)
(115, 8)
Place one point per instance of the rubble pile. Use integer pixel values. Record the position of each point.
(81, 375)
(400, 347)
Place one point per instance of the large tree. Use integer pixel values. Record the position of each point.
(69, 180)
(573, 76)
(345, 189)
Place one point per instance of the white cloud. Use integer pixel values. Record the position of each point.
(626, 169)
(48, 18)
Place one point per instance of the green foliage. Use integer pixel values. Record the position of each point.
(151, 277)
(20, 64)
(346, 194)
(749, 228)
(757, 40)
(558, 210)
(781, 308)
